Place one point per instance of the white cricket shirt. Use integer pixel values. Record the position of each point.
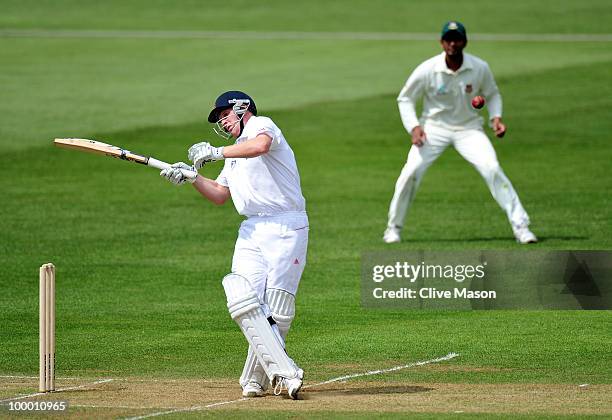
(447, 95)
(268, 184)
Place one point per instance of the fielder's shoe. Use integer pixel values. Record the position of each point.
(252, 390)
(523, 235)
(293, 385)
(392, 235)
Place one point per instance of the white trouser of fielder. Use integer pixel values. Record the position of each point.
(271, 253)
(476, 148)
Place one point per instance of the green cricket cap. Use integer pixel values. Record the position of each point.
(453, 26)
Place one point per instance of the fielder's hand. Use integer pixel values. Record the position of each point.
(498, 127)
(177, 176)
(418, 136)
(200, 153)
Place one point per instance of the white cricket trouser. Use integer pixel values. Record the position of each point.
(270, 252)
(476, 148)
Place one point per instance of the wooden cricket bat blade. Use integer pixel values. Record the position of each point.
(100, 148)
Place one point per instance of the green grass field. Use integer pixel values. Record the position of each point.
(139, 261)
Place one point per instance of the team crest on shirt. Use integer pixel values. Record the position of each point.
(441, 90)
(468, 88)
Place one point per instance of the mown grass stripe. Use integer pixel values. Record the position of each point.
(298, 35)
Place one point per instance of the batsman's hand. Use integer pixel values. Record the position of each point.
(200, 153)
(180, 173)
(418, 136)
(498, 127)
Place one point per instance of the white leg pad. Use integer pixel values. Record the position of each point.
(253, 371)
(244, 308)
(282, 306)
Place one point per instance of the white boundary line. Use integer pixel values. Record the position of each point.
(338, 379)
(280, 35)
(184, 410)
(449, 356)
(71, 388)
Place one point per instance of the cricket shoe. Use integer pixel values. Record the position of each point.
(392, 235)
(523, 235)
(252, 390)
(292, 385)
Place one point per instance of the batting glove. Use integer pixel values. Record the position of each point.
(180, 173)
(200, 153)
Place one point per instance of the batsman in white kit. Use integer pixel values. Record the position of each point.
(447, 83)
(260, 175)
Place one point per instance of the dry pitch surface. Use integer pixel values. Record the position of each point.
(132, 397)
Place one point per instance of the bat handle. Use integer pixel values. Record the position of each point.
(160, 164)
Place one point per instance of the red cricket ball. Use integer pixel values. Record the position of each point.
(478, 102)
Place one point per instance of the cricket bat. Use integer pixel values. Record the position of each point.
(99, 148)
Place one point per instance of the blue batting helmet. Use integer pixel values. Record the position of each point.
(228, 100)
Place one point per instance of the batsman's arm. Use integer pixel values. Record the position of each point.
(212, 190)
(203, 152)
(253, 147)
